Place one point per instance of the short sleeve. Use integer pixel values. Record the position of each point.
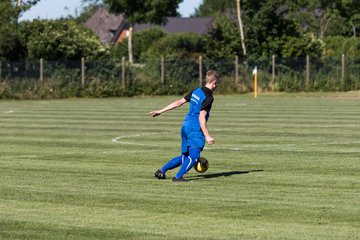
(206, 105)
(188, 97)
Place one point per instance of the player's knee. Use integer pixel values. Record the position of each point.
(194, 153)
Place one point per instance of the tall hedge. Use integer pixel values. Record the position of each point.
(62, 40)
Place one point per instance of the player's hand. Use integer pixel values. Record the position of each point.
(210, 140)
(154, 113)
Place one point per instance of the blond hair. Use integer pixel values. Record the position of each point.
(211, 76)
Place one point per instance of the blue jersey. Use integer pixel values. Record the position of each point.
(191, 134)
(200, 99)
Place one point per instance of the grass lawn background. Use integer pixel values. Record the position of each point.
(284, 166)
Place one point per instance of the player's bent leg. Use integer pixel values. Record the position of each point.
(173, 163)
(188, 163)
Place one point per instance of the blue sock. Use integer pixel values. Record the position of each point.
(189, 162)
(173, 163)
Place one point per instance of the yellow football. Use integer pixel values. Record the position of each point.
(201, 165)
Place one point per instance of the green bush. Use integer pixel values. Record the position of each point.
(176, 46)
(300, 47)
(61, 40)
(338, 45)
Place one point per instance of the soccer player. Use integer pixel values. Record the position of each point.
(194, 130)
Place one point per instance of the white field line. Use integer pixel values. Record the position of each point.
(224, 148)
(122, 151)
(118, 139)
(11, 111)
(290, 146)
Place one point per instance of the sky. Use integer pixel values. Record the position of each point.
(53, 9)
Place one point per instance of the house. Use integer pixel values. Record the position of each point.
(104, 24)
(112, 29)
(199, 25)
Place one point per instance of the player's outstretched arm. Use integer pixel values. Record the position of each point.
(169, 107)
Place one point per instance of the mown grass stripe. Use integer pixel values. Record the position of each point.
(283, 167)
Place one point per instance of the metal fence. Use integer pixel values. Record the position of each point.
(115, 77)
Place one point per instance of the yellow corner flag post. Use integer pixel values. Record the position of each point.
(254, 73)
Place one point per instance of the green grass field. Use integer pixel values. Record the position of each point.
(284, 166)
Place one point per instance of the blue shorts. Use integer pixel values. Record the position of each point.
(191, 137)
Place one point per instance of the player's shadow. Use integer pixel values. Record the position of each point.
(222, 174)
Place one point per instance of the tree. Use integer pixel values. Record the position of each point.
(351, 11)
(335, 46)
(214, 7)
(143, 11)
(267, 25)
(218, 8)
(23, 5)
(241, 27)
(355, 23)
(222, 40)
(10, 41)
(324, 17)
(300, 47)
(62, 40)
